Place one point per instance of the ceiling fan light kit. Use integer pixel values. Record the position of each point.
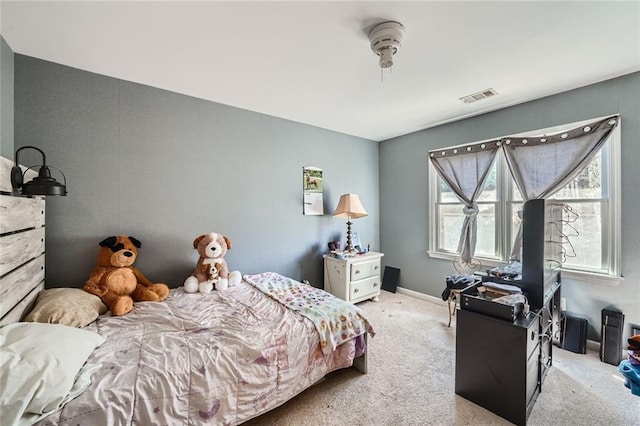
(386, 39)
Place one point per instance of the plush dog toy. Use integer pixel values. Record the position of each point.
(211, 268)
(117, 282)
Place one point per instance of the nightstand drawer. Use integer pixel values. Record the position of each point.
(364, 287)
(362, 270)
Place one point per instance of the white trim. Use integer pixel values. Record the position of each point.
(592, 345)
(432, 212)
(486, 262)
(504, 192)
(421, 296)
(590, 277)
(615, 201)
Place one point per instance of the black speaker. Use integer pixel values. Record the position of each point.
(573, 335)
(611, 333)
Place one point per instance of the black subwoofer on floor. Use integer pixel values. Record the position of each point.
(611, 344)
(574, 334)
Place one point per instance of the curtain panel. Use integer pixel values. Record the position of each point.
(465, 170)
(542, 165)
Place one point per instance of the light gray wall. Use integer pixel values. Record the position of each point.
(166, 168)
(404, 232)
(6, 99)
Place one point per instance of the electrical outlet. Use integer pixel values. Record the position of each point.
(563, 303)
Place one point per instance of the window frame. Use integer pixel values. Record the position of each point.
(611, 231)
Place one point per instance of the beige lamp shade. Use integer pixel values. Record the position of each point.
(350, 207)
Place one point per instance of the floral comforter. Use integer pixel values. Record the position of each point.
(215, 359)
(335, 320)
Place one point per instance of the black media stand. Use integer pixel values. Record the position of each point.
(502, 353)
(500, 365)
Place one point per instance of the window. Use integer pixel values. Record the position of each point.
(450, 218)
(593, 230)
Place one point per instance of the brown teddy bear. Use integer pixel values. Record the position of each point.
(117, 282)
(211, 267)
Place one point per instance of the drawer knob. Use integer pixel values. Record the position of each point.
(375, 284)
(357, 271)
(356, 290)
(375, 267)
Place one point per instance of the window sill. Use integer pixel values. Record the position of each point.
(589, 277)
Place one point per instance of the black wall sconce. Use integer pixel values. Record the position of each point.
(43, 184)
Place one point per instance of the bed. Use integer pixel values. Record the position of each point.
(220, 358)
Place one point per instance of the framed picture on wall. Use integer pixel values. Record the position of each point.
(312, 190)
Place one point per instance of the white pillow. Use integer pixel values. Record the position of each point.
(38, 368)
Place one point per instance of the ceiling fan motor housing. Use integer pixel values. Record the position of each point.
(386, 39)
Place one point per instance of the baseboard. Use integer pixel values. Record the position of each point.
(418, 295)
(592, 345)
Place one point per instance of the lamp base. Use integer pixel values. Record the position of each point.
(349, 248)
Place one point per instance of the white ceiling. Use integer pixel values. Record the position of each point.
(311, 62)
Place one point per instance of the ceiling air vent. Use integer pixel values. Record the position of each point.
(478, 96)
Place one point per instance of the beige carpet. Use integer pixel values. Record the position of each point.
(412, 373)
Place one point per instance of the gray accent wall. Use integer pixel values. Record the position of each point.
(404, 231)
(6, 99)
(166, 168)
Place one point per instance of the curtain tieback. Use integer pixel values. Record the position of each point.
(471, 211)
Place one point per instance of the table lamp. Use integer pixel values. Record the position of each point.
(349, 207)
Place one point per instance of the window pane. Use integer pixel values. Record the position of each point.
(586, 185)
(515, 192)
(451, 218)
(486, 238)
(516, 220)
(446, 194)
(490, 191)
(583, 245)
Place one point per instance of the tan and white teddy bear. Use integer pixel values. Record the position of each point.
(211, 269)
(117, 282)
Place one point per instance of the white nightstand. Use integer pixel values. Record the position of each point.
(355, 278)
